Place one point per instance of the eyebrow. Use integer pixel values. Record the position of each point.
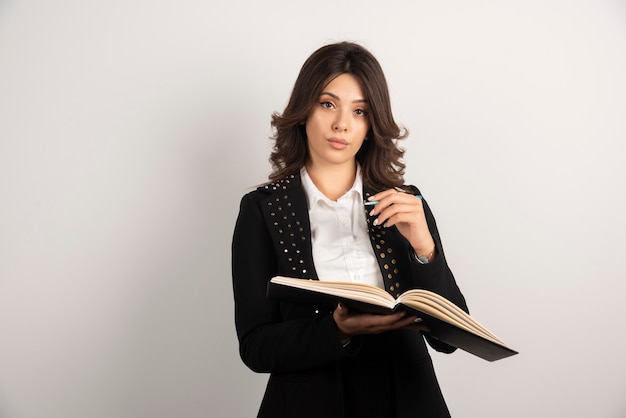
(334, 96)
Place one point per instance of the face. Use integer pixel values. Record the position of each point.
(338, 123)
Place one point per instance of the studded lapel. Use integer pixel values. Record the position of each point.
(391, 252)
(287, 217)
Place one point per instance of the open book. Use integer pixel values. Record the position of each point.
(446, 321)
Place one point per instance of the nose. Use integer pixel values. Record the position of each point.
(340, 124)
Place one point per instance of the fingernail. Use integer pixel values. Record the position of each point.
(375, 223)
(417, 320)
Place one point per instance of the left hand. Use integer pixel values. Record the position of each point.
(354, 323)
(406, 212)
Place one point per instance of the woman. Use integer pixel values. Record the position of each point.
(335, 147)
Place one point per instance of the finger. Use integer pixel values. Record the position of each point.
(398, 207)
(383, 194)
(418, 327)
(341, 312)
(374, 324)
(404, 322)
(384, 320)
(398, 218)
(391, 199)
(399, 212)
(401, 323)
(392, 191)
(382, 199)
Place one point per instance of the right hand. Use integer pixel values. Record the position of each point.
(352, 323)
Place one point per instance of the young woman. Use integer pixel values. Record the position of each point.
(336, 148)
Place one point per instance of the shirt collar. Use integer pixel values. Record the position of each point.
(314, 196)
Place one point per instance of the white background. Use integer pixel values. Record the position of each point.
(129, 130)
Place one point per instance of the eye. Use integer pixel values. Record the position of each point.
(327, 105)
(360, 112)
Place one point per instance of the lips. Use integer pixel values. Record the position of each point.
(338, 143)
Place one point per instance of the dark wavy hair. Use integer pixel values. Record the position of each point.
(380, 157)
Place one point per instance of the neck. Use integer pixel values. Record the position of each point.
(333, 181)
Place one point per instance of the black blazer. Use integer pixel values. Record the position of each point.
(312, 375)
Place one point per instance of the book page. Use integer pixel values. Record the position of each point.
(439, 307)
(355, 291)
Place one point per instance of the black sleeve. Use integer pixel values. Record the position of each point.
(436, 276)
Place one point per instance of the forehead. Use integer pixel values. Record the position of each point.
(345, 86)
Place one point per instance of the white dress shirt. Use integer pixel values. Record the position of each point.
(342, 250)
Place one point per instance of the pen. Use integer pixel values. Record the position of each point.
(374, 202)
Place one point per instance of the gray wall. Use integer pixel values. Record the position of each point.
(130, 129)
